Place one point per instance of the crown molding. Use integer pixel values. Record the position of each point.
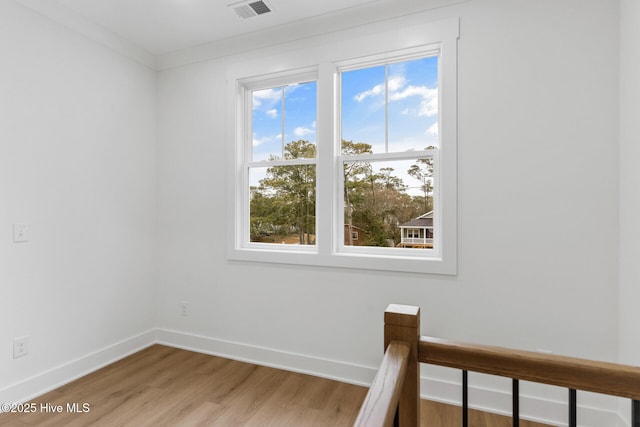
(331, 23)
(75, 22)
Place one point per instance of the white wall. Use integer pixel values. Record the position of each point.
(77, 163)
(538, 202)
(629, 183)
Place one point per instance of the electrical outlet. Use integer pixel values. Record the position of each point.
(20, 347)
(20, 232)
(184, 308)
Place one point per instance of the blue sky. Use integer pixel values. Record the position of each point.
(412, 111)
(299, 118)
(412, 105)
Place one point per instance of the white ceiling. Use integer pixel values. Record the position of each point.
(163, 26)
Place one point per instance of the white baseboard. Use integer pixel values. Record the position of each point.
(53, 378)
(625, 413)
(305, 364)
(533, 408)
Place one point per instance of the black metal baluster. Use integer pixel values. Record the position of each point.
(635, 413)
(465, 399)
(396, 418)
(573, 408)
(516, 403)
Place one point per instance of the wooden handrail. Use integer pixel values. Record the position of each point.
(380, 405)
(570, 372)
(402, 336)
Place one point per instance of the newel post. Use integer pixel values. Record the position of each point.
(402, 323)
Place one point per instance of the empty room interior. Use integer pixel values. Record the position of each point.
(257, 181)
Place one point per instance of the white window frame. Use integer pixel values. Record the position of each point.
(244, 138)
(323, 65)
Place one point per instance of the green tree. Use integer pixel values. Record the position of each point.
(422, 170)
(292, 190)
(375, 200)
(351, 183)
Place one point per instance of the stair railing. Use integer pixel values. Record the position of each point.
(394, 397)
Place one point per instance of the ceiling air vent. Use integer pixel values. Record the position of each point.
(250, 9)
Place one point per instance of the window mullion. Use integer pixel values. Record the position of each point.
(328, 146)
(282, 125)
(386, 108)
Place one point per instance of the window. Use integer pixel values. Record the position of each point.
(389, 124)
(281, 164)
(348, 163)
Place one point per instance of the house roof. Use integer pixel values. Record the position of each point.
(424, 220)
(354, 227)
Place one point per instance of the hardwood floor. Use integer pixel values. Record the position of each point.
(433, 414)
(164, 386)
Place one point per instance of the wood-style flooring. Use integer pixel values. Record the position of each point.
(164, 386)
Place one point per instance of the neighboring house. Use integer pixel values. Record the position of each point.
(417, 233)
(357, 235)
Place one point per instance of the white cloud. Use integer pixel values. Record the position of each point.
(395, 83)
(269, 96)
(376, 90)
(429, 102)
(259, 141)
(398, 91)
(302, 131)
(433, 129)
(273, 113)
